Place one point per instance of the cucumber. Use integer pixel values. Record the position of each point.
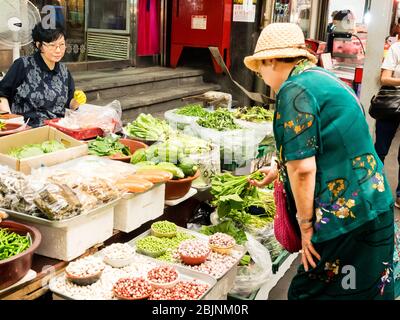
(139, 156)
(189, 171)
(188, 167)
(170, 167)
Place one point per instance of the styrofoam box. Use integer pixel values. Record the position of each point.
(134, 210)
(224, 285)
(69, 242)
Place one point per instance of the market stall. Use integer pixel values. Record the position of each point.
(153, 172)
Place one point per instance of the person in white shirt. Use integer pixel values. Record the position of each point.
(386, 129)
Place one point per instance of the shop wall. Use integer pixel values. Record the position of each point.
(244, 37)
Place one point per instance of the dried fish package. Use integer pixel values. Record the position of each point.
(16, 191)
(58, 202)
(103, 190)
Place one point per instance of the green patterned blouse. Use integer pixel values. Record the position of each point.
(318, 115)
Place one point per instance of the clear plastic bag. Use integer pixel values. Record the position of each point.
(251, 278)
(89, 167)
(209, 164)
(179, 122)
(237, 146)
(107, 118)
(57, 201)
(261, 130)
(16, 192)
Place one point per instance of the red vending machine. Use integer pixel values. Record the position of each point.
(201, 24)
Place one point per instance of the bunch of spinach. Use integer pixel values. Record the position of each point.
(108, 146)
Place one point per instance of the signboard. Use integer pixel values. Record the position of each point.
(199, 22)
(244, 14)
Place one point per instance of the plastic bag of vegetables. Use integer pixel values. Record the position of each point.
(182, 118)
(251, 277)
(256, 118)
(237, 145)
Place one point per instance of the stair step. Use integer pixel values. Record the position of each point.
(153, 97)
(139, 88)
(111, 78)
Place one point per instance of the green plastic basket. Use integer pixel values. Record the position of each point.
(279, 261)
(252, 296)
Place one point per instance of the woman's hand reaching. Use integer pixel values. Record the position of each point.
(270, 174)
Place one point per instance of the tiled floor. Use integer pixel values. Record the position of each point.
(280, 290)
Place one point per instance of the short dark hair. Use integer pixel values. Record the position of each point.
(40, 34)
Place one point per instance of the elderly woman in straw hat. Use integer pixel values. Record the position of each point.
(334, 180)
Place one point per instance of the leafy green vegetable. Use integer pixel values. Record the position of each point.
(235, 200)
(254, 114)
(221, 120)
(192, 110)
(149, 128)
(2, 125)
(33, 150)
(227, 227)
(108, 146)
(30, 151)
(52, 146)
(245, 260)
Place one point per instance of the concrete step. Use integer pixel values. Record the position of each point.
(156, 101)
(103, 84)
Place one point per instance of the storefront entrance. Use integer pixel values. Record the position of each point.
(97, 30)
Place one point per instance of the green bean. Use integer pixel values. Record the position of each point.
(12, 244)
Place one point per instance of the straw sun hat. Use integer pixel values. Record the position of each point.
(279, 40)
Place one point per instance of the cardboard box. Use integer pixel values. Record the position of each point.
(75, 149)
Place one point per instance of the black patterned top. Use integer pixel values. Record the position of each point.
(35, 91)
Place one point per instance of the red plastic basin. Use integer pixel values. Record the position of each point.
(15, 268)
(133, 146)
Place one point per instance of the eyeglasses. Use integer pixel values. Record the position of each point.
(54, 47)
(259, 75)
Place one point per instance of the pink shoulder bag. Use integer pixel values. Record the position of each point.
(285, 231)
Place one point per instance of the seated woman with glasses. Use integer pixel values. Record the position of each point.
(39, 87)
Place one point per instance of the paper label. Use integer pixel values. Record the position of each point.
(199, 22)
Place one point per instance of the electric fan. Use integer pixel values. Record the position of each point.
(17, 19)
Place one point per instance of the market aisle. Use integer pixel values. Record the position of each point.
(280, 291)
